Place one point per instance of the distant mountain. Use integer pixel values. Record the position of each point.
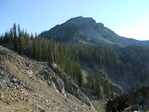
(80, 30)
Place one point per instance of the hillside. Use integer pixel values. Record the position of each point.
(28, 85)
(125, 63)
(82, 30)
(83, 75)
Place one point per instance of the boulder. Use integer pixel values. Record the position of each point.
(14, 80)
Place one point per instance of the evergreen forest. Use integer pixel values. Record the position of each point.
(117, 60)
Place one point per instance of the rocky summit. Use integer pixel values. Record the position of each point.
(85, 30)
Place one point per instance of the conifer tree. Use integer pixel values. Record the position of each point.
(20, 43)
(11, 35)
(20, 47)
(89, 79)
(98, 87)
(6, 37)
(1, 38)
(79, 76)
(15, 37)
(111, 91)
(39, 48)
(19, 30)
(51, 50)
(106, 88)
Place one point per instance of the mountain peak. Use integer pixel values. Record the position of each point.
(85, 30)
(81, 20)
(80, 30)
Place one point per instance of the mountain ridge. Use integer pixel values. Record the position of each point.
(82, 30)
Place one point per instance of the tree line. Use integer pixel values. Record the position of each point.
(37, 48)
(69, 57)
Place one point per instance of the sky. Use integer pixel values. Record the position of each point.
(128, 18)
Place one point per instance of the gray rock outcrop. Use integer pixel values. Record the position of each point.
(64, 83)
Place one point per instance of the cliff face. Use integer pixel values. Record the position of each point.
(28, 85)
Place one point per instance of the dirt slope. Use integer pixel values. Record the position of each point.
(22, 89)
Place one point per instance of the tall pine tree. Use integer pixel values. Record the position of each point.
(15, 37)
(97, 82)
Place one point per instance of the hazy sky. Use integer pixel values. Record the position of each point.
(129, 18)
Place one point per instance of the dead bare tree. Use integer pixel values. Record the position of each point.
(117, 104)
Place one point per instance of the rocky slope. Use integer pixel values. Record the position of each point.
(81, 30)
(31, 86)
(132, 54)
